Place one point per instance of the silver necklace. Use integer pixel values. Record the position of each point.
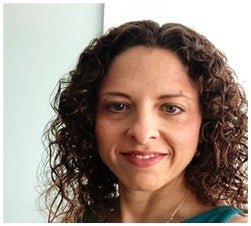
(177, 208)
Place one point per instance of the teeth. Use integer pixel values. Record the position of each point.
(145, 156)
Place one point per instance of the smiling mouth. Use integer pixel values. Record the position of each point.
(150, 156)
(143, 159)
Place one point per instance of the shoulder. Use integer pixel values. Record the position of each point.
(239, 219)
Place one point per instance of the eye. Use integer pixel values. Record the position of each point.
(171, 109)
(116, 107)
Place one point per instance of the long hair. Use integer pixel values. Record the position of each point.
(80, 184)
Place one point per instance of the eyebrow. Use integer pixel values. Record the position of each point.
(114, 93)
(169, 96)
(165, 96)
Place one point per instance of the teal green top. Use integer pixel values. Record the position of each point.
(220, 214)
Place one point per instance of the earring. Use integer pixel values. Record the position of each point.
(197, 154)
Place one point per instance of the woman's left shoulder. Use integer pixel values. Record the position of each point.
(239, 219)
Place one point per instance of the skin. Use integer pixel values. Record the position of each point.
(148, 104)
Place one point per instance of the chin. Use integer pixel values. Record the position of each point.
(143, 185)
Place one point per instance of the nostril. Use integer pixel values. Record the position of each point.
(142, 135)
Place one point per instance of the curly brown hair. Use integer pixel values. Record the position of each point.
(81, 184)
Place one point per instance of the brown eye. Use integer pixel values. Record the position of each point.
(116, 107)
(171, 109)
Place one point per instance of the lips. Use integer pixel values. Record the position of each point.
(150, 156)
(143, 158)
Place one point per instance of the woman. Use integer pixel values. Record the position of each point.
(151, 126)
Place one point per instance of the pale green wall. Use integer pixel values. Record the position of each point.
(41, 43)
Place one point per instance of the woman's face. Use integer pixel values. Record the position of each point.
(148, 118)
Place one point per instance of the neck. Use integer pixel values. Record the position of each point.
(150, 206)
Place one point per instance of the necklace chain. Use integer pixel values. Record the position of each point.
(177, 208)
(173, 213)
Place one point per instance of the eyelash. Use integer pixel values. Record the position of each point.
(118, 107)
(173, 106)
(112, 107)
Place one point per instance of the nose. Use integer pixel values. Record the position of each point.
(144, 128)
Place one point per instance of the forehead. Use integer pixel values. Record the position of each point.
(147, 69)
(147, 56)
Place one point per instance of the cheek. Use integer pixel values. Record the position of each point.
(107, 141)
(192, 132)
(105, 134)
(100, 132)
(187, 133)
